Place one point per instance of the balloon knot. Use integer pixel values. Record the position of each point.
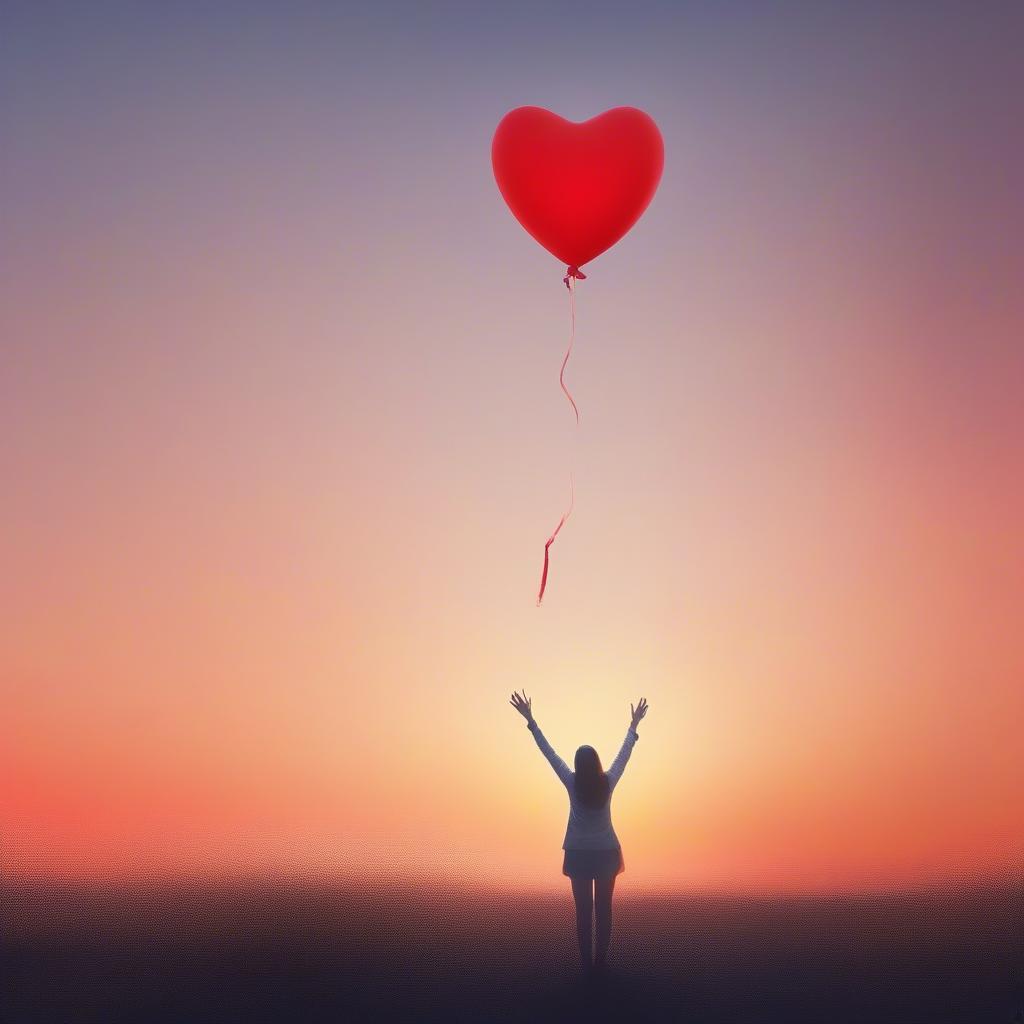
(573, 272)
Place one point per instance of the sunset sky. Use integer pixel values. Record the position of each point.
(283, 439)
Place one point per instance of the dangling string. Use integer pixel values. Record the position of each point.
(572, 274)
(570, 282)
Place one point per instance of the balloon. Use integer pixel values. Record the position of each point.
(577, 188)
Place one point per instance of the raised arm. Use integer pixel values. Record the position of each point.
(618, 766)
(524, 705)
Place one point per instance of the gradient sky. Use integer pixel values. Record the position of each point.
(283, 438)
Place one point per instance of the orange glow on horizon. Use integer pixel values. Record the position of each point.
(283, 440)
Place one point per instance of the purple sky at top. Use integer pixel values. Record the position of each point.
(278, 378)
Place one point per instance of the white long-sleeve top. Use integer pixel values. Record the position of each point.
(589, 828)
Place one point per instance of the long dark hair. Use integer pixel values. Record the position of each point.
(592, 788)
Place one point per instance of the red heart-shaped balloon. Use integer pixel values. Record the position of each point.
(577, 188)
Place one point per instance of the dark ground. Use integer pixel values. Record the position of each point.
(298, 952)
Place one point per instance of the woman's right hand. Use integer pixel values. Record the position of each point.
(523, 704)
(638, 713)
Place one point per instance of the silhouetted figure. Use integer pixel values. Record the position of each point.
(593, 854)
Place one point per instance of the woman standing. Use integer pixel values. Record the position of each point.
(593, 855)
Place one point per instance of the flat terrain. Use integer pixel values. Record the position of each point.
(290, 951)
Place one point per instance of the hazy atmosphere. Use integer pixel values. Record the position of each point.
(283, 440)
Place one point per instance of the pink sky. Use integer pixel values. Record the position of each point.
(284, 438)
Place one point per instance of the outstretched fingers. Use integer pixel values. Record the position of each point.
(639, 711)
(521, 703)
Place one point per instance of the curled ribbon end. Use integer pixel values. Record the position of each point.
(551, 540)
(544, 574)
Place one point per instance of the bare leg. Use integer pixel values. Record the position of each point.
(583, 894)
(603, 889)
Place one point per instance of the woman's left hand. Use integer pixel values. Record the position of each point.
(523, 704)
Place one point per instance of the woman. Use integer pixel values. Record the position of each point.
(593, 856)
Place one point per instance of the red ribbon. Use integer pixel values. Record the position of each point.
(551, 540)
(572, 275)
